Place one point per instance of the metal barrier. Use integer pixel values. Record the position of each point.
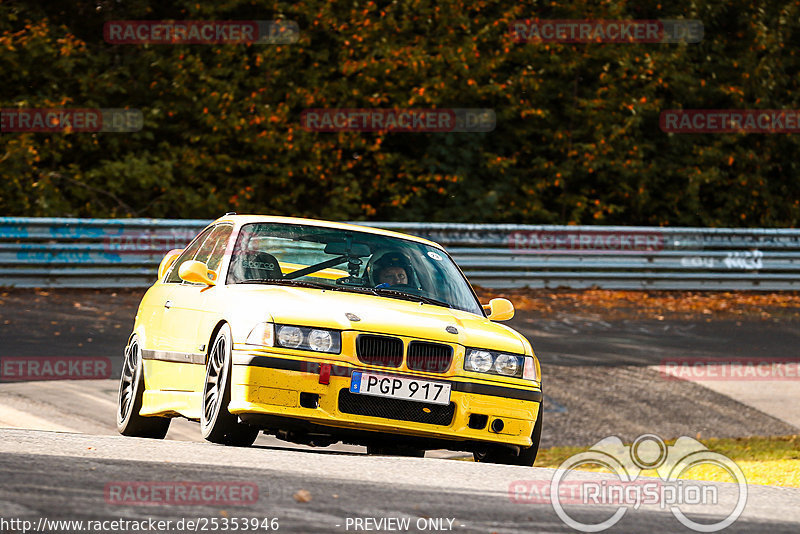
(97, 253)
(48, 252)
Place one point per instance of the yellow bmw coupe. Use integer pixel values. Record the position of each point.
(320, 332)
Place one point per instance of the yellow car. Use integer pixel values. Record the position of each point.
(320, 332)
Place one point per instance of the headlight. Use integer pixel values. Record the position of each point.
(290, 336)
(307, 338)
(498, 363)
(506, 364)
(478, 360)
(320, 340)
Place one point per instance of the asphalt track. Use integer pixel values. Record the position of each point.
(599, 376)
(71, 322)
(64, 476)
(600, 381)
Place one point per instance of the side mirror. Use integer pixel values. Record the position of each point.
(499, 309)
(167, 262)
(197, 273)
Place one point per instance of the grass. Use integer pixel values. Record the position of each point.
(773, 461)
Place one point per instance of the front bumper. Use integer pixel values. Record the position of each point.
(270, 385)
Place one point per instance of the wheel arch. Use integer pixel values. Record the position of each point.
(214, 331)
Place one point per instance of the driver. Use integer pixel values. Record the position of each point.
(391, 269)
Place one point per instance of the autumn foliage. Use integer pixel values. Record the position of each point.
(577, 138)
(651, 305)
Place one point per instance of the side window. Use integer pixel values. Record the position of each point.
(187, 254)
(213, 249)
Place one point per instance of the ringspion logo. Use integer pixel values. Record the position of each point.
(398, 120)
(59, 120)
(632, 490)
(606, 31)
(182, 32)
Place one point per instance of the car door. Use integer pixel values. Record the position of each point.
(165, 368)
(193, 309)
(159, 336)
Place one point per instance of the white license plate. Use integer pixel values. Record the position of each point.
(397, 387)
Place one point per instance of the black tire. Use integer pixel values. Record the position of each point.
(216, 422)
(503, 455)
(129, 399)
(395, 450)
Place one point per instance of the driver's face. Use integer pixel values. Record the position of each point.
(393, 276)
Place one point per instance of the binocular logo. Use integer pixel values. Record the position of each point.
(649, 452)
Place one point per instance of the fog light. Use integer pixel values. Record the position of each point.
(290, 336)
(478, 421)
(309, 400)
(497, 425)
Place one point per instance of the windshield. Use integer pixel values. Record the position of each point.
(346, 260)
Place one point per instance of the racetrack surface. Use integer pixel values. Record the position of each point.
(600, 378)
(61, 475)
(598, 369)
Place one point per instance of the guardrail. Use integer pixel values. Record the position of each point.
(53, 252)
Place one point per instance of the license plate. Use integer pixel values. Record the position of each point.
(397, 387)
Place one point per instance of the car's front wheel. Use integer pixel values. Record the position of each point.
(129, 399)
(217, 423)
(502, 455)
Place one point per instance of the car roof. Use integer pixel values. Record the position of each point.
(248, 219)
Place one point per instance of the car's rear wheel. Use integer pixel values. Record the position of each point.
(129, 399)
(217, 423)
(503, 455)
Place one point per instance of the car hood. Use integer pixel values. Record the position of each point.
(330, 309)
